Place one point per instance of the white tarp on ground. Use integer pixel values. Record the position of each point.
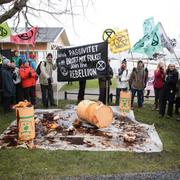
(84, 136)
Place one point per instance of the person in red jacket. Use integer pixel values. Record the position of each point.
(159, 78)
(28, 78)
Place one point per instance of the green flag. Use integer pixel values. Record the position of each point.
(5, 31)
(148, 25)
(149, 44)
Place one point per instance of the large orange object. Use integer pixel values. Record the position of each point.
(95, 113)
(25, 123)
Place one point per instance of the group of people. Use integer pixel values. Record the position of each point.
(166, 85)
(18, 78)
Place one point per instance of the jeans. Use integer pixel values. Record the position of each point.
(140, 96)
(47, 94)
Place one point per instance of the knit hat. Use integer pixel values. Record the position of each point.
(124, 61)
(32, 56)
(6, 61)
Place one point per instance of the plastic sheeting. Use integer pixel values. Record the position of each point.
(61, 129)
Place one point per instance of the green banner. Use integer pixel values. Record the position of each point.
(5, 31)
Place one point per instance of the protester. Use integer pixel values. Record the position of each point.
(82, 86)
(46, 80)
(158, 83)
(122, 78)
(32, 61)
(8, 87)
(137, 82)
(177, 104)
(104, 84)
(18, 85)
(28, 78)
(168, 91)
(16, 58)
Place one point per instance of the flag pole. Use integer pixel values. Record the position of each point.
(132, 58)
(177, 58)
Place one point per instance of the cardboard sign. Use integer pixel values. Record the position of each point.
(120, 42)
(82, 62)
(125, 101)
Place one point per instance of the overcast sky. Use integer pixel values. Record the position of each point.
(130, 14)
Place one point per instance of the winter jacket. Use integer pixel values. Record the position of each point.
(28, 76)
(8, 86)
(178, 88)
(159, 78)
(16, 60)
(169, 89)
(122, 78)
(171, 80)
(32, 63)
(46, 72)
(138, 78)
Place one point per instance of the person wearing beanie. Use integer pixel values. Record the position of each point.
(137, 83)
(168, 91)
(28, 79)
(45, 80)
(8, 87)
(122, 78)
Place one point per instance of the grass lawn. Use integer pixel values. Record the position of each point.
(41, 164)
(90, 84)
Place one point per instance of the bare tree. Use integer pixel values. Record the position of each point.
(14, 9)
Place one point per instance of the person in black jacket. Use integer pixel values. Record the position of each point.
(8, 86)
(82, 87)
(104, 84)
(168, 91)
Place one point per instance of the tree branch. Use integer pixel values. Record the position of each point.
(18, 6)
(5, 1)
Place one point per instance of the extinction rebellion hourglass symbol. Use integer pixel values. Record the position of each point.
(3, 32)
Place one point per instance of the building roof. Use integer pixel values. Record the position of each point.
(45, 34)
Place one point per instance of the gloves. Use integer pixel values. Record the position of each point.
(30, 74)
(49, 80)
(14, 76)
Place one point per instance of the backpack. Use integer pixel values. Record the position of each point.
(38, 70)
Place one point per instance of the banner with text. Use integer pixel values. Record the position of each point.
(82, 62)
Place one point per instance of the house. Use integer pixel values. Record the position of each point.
(48, 39)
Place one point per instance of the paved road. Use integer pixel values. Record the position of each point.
(174, 175)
